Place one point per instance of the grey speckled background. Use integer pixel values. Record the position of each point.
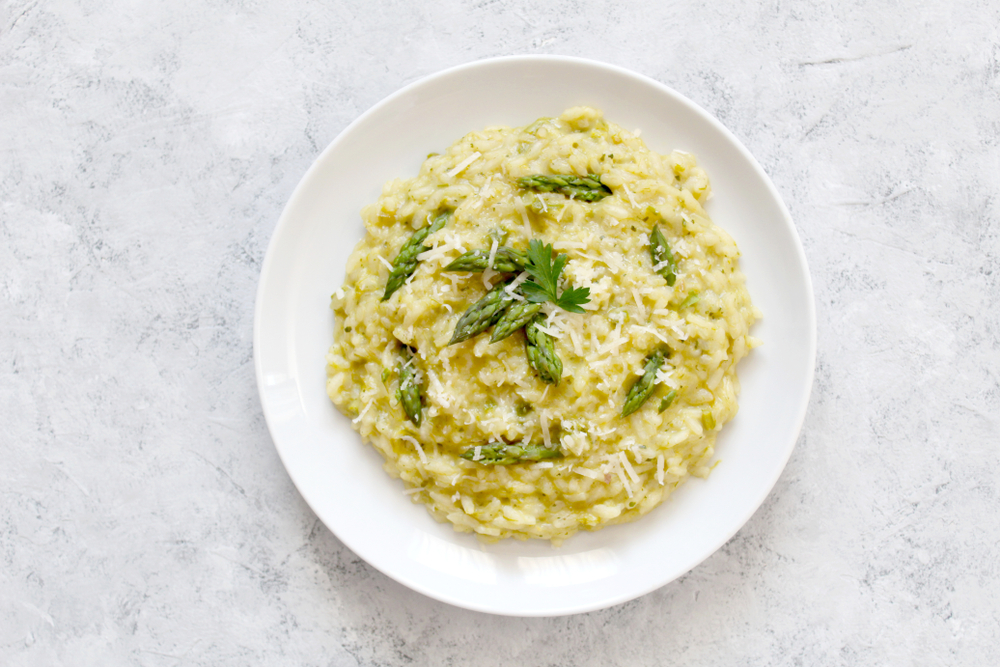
(146, 150)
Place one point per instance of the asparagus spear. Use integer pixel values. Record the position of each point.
(541, 351)
(482, 314)
(692, 299)
(513, 319)
(507, 260)
(662, 257)
(502, 454)
(644, 386)
(707, 419)
(667, 400)
(406, 261)
(586, 188)
(409, 387)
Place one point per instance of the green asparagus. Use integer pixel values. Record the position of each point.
(691, 300)
(707, 419)
(667, 400)
(482, 314)
(406, 261)
(541, 351)
(409, 386)
(663, 260)
(507, 260)
(503, 454)
(643, 388)
(514, 318)
(586, 188)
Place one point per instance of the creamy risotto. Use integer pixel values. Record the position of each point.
(540, 331)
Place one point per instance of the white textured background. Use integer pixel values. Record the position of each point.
(146, 150)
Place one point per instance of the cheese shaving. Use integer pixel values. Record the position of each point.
(628, 193)
(638, 304)
(617, 468)
(460, 167)
(628, 467)
(363, 412)
(512, 287)
(488, 276)
(552, 332)
(651, 331)
(485, 192)
(420, 450)
(519, 205)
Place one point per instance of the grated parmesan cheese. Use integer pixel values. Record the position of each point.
(651, 331)
(420, 450)
(519, 205)
(628, 467)
(460, 167)
(628, 193)
(617, 468)
(363, 412)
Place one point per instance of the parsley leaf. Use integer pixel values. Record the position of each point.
(572, 298)
(544, 270)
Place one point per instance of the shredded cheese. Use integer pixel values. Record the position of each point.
(460, 167)
(514, 284)
(549, 331)
(628, 193)
(384, 261)
(519, 205)
(363, 412)
(493, 254)
(617, 468)
(638, 304)
(651, 331)
(488, 276)
(628, 467)
(485, 192)
(420, 450)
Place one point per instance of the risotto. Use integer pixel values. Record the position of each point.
(540, 331)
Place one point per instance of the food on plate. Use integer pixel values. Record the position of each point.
(539, 331)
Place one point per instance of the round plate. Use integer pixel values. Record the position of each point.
(342, 479)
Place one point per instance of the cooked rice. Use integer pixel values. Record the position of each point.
(614, 469)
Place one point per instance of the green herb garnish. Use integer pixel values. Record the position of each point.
(544, 269)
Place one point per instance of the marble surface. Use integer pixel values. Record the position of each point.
(146, 150)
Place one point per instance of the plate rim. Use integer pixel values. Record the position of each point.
(285, 219)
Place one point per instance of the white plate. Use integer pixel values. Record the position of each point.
(342, 479)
